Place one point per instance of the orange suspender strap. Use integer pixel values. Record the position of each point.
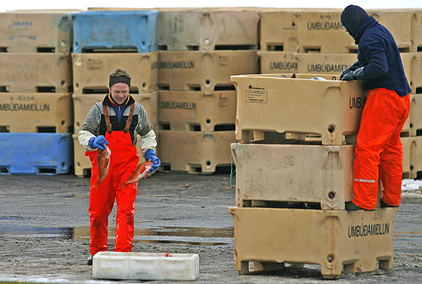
(128, 122)
(107, 119)
(129, 119)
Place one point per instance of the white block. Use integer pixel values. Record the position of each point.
(145, 266)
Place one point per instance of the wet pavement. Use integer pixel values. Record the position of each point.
(44, 230)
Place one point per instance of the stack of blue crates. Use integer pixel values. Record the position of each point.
(36, 115)
(104, 41)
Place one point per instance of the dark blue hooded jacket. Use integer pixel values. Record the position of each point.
(379, 54)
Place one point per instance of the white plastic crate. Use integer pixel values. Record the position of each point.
(145, 266)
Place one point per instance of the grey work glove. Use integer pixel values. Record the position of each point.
(352, 67)
(354, 75)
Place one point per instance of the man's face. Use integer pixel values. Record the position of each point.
(119, 92)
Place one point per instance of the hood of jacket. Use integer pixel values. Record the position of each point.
(352, 19)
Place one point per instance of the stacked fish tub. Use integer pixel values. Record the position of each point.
(36, 110)
(199, 49)
(314, 41)
(294, 173)
(104, 41)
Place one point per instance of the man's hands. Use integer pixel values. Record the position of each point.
(354, 75)
(98, 142)
(156, 163)
(352, 67)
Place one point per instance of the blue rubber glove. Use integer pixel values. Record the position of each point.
(354, 75)
(98, 142)
(156, 163)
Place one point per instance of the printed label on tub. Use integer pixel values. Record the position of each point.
(256, 96)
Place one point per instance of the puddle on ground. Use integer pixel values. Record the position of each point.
(178, 235)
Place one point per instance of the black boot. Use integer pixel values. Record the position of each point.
(90, 259)
(350, 206)
(385, 205)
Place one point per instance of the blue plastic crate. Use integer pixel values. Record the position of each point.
(115, 30)
(36, 153)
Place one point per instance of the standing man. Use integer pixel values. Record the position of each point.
(115, 122)
(378, 151)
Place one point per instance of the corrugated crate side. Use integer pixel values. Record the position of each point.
(82, 163)
(207, 29)
(203, 111)
(412, 66)
(91, 71)
(407, 142)
(416, 158)
(412, 157)
(416, 31)
(269, 103)
(35, 72)
(36, 112)
(203, 70)
(37, 154)
(415, 116)
(111, 30)
(337, 240)
(400, 23)
(37, 31)
(194, 152)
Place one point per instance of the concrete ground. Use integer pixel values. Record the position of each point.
(44, 231)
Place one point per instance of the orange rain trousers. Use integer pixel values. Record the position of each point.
(379, 151)
(123, 160)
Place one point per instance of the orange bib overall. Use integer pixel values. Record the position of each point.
(379, 151)
(123, 160)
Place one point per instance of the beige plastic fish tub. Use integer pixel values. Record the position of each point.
(207, 28)
(36, 112)
(337, 240)
(330, 108)
(277, 173)
(193, 152)
(36, 31)
(203, 70)
(91, 71)
(185, 110)
(35, 72)
(304, 31)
